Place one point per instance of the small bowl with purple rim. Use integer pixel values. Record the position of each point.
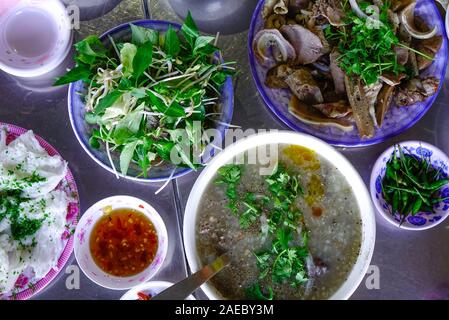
(422, 220)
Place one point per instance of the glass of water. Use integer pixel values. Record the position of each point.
(35, 36)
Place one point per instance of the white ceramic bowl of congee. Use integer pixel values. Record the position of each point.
(360, 262)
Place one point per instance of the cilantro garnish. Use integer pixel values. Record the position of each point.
(285, 259)
(366, 49)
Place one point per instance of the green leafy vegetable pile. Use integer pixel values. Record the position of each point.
(367, 48)
(21, 226)
(411, 184)
(152, 96)
(284, 260)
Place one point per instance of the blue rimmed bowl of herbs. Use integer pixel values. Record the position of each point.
(143, 94)
(410, 185)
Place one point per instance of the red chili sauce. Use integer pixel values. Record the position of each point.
(124, 242)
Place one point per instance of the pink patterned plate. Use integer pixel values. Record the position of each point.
(27, 285)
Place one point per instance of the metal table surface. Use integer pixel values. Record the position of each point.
(412, 265)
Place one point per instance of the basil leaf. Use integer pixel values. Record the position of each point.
(199, 116)
(132, 120)
(172, 44)
(142, 59)
(107, 101)
(203, 42)
(139, 93)
(125, 84)
(219, 78)
(163, 149)
(184, 157)
(190, 30)
(90, 49)
(144, 156)
(174, 110)
(94, 143)
(127, 155)
(140, 35)
(121, 135)
(81, 72)
(92, 118)
(127, 54)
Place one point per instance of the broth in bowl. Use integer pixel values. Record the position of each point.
(293, 234)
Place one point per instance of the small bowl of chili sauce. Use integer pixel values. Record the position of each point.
(120, 242)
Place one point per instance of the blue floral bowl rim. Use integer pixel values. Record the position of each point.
(292, 125)
(374, 173)
(228, 87)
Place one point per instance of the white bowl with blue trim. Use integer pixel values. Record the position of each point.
(422, 220)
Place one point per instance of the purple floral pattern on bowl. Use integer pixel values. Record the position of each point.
(27, 285)
(422, 220)
(396, 120)
(82, 247)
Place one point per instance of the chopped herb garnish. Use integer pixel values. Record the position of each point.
(284, 260)
(366, 48)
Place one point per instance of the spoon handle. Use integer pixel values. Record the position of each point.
(184, 288)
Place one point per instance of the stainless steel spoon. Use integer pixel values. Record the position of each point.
(184, 288)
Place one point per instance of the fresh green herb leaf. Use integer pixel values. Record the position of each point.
(366, 50)
(92, 118)
(255, 293)
(126, 156)
(139, 92)
(142, 59)
(202, 44)
(127, 54)
(172, 43)
(107, 101)
(190, 30)
(24, 227)
(94, 143)
(132, 120)
(80, 72)
(141, 35)
(164, 148)
(174, 110)
(90, 49)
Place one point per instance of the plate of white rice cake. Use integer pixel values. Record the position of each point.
(39, 209)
